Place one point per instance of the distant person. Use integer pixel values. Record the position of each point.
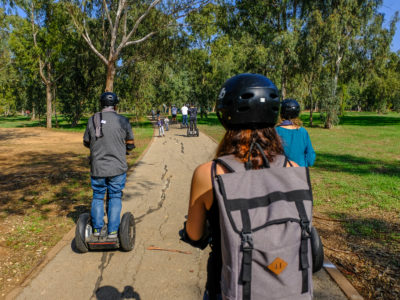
(158, 113)
(192, 117)
(160, 124)
(295, 139)
(166, 122)
(174, 111)
(153, 113)
(184, 111)
(108, 135)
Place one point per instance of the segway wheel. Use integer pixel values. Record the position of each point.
(127, 232)
(317, 250)
(197, 132)
(82, 231)
(188, 132)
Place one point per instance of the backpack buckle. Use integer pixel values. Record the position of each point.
(305, 229)
(247, 240)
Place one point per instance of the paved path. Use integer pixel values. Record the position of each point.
(157, 193)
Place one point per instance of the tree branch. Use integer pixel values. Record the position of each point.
(114, 32)
(82, 29)
(34, 33)
(125, 39)
(108, 13)
(142, 39)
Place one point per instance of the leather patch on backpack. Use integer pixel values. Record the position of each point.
(277, 266)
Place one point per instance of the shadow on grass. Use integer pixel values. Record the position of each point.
(27, 184)
(370, 120)
(356, 165)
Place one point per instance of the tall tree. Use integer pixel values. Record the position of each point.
(126, 24)
(39, 42)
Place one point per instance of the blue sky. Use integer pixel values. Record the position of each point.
(389, 7)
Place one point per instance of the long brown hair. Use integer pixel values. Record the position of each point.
(237, 142)
(296, 121)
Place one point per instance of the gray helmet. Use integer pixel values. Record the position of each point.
(290, 109)
(108, 99)
(248, 101)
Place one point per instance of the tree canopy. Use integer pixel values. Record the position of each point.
(59, 56)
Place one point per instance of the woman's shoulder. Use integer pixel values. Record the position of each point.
(205, 167)
(203, 171)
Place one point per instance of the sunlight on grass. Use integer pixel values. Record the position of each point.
(358, 161)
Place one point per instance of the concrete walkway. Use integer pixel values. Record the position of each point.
(157, 193)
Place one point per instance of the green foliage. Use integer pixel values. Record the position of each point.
(330, 55)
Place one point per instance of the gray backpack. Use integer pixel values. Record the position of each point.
(265, 220)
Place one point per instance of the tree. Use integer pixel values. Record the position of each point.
(122, 25)
(38, 41)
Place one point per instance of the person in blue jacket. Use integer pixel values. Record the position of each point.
(295, 139)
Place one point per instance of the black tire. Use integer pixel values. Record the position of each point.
(81, 232)
(127, 232)
(197, 132)
(317, 251)
(188, 132)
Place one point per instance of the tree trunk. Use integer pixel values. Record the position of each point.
(110, 76)
(311, 106)
(55, 107)
(49, 111)
(283, 86)
(33, 114)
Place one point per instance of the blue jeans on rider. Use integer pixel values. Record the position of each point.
(114, 185)
(184, 120)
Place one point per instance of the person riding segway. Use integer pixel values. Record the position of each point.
(295, 139)
(174, 112)
(109, 136)
(192, 129)
(184, 111)
(251, 204)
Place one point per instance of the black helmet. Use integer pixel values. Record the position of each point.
(108, 99)
(248, 101)
(290, 109)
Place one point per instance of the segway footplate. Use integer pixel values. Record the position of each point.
(101, 243)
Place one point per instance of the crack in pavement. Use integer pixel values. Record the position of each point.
(165, 173)
(159, 204)
(182, 148)
(103, 265)
(163, 196)
(139, 265)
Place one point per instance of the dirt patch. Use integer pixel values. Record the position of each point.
(41, 180)
(365, 249)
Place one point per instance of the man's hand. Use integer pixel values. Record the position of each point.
(130, 145)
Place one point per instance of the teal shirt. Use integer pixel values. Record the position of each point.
(297, 145)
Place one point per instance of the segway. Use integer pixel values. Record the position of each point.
(85, 240)
(192, 131)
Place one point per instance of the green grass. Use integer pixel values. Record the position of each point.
(358, 162)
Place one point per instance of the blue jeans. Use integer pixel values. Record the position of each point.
(114, 185)
(184, 120)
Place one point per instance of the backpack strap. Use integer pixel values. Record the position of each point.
(224, 164)
(98, 126)
(305, 235)
(286, 162)
(247, 248)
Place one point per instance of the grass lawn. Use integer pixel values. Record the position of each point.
(356, 187)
